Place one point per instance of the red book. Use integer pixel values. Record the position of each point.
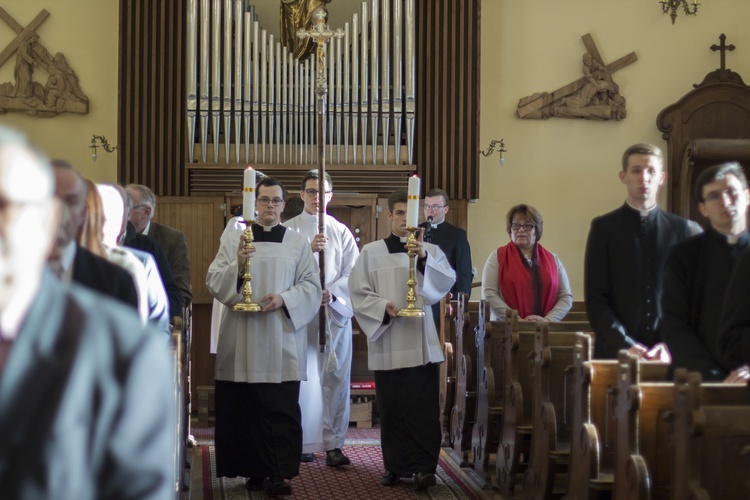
(362, 385)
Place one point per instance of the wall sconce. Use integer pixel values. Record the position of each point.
(102, 142)
(496, 145)
(671, 6)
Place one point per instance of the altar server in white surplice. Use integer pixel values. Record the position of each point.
(404, 353)
(261, 356)
(324, 397)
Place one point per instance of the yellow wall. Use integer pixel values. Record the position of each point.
(568, 168)
(86, 32)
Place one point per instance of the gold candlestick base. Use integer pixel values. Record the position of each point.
(411, 297)
(247, 305)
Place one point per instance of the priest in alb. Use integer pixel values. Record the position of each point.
(261, 356)
(403, 352)
(324, 397)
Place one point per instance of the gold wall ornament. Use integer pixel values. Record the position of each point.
(671, 6)
(60, 94)
(595, 96)
(496, 145)
(102, 142)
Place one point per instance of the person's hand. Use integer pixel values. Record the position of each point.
(416, 245)
(275, 302)
(243, 254)
(660, 352)
(639, 350)
(534, 317)
(739, 376)
(326, 298)
(318, 243)
(390, 308)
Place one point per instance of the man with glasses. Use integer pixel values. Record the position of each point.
(698, 271)
(625, 257)
(262, 356)
(452, 241)
(324, 397)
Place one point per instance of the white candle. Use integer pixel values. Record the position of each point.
(412, 204)
(248, 195)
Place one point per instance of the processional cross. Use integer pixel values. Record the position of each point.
(320, 33)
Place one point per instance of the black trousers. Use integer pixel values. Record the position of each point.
(258, 429)
(409, 406)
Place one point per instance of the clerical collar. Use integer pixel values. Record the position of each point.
(435, 225)
(732, 239)
(641, 211)
(402, 239)
(267, 229)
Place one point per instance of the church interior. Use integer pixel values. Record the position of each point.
(478, 63)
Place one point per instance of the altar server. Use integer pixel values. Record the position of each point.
(404, 352)
(261, 356)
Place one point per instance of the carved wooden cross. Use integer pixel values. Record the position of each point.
(20, 31)
(723, 48)
(547, 99)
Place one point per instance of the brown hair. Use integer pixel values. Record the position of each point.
(530, 213)
(90, 234)
(641, 149)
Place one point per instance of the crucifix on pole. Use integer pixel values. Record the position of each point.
(320, 33)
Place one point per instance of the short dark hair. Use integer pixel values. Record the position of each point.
(398, 196)
(313, 174)
(717, 173)
(293, 207)
(641, 149)
(529, 213)
(270, 182)
(437, 192)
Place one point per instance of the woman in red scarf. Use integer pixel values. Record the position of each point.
(523, 275)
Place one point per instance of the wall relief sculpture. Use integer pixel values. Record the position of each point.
(595, 96)
(60, 93)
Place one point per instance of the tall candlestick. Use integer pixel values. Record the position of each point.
(248, 195)
(412, 204)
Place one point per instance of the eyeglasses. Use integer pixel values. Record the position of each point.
(139, 206)
(434, 207)
(515, 226)
(265, 201)
(715, 196)
(314, 192)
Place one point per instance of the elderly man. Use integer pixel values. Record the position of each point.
(85, 393)
(261, 357)
(171, 240)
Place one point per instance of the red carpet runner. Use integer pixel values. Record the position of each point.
(361, 480)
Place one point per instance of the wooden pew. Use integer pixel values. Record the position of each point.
(179, 423)
(516, 432)
(448, 309)
(489, 407)
(550, 441)
(591, 469)
(711, 427)
(464, 403)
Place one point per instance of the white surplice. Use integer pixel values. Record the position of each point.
(324, 397)
(380, 277)
(265, 347)
(217, 309)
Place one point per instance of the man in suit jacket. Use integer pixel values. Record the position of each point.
(625, 259)
(85, 390)
(171, 240)
(74, 262)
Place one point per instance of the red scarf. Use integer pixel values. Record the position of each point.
(528, 290)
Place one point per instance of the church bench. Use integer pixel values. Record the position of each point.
(516, 428)
(550, 441)
(448, 309)
(180, 416)
(464, 401)
(591, 473)
(711, 427)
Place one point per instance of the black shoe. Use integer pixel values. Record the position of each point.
(335, 458)
(389, 479)
(307, 457)
(277, 487)
(254, 484)
(423, 480)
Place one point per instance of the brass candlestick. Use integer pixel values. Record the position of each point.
(410, 311)
(247, 305)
